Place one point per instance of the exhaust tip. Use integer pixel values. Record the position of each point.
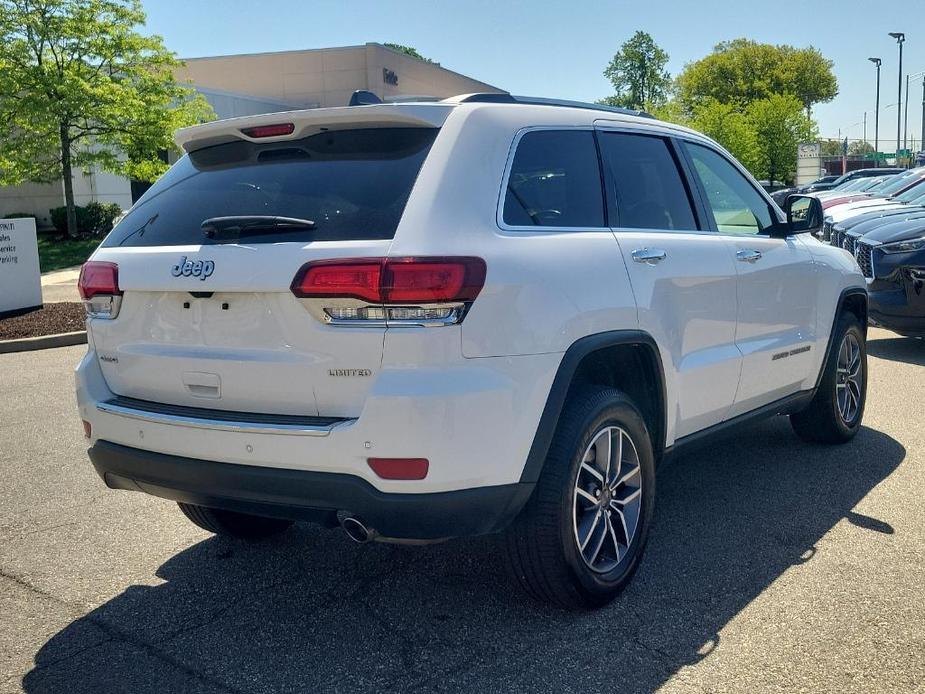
(356, 530)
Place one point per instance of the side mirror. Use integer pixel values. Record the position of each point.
(804, 214)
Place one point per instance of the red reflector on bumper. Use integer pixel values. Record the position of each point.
(399, 468)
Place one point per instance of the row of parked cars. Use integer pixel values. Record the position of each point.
(878, 215)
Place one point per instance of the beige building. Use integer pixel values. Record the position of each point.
(328, 76)
(243, 85)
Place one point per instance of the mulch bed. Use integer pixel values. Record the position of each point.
(66, 317)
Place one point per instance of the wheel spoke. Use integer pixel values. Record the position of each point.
(590, 470)
(617, 458)
(586, 495)
(600, 542)
(613, 538)
(597, 518)
(626, 535)
(629, 498)
(602, 452)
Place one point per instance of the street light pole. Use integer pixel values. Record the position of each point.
(900, 38)
(877, 62)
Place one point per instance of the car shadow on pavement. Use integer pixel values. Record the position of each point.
(311, 611)
(906, 349)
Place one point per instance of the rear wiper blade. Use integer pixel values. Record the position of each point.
(233, 226)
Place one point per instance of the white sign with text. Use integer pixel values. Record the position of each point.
(20, 277)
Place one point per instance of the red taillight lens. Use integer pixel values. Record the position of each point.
(399, 468)
(433, 280)
(275, 130)
(356, 279)
(393, 280)
(98, 277)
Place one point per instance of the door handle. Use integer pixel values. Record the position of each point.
(649, 256)
(748, 255)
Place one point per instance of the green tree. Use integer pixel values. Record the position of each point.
(779, 124)
(831, 148)
(729, 127)
(742, 71)
(81, 88)
(638, 74)
(859, 147)
(407, 50)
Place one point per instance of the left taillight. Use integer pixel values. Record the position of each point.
(98, 285)
(415, 291)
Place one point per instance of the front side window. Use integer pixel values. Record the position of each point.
(736, 206)
(644, 186)
(555, 181)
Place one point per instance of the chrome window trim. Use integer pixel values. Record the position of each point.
(217, 424)
(657, 129)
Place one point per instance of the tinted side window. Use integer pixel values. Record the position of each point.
(736, 206)
(555, 181)
(644, 184)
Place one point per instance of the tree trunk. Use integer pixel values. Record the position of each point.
(66, 175)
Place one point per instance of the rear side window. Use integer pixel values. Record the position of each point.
(645, 186)
(555, 181)
(352, 183)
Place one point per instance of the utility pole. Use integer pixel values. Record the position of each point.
(900, 38)
(877, 62)
(906, 117)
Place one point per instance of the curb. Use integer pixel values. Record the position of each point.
(26, 344)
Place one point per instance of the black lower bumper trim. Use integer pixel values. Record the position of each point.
(303, 495)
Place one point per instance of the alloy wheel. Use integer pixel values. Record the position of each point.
(849, 379)
(607, 499)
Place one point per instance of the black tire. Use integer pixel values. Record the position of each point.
(822, 421)
(242, 526)
(542, 545)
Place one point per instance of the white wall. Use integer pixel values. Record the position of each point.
(32, 198)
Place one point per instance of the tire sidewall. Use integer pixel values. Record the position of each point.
(616, 411)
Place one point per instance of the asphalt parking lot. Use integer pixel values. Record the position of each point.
(772, 566)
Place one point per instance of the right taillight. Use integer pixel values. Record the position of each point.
(98, 285)
(429, 291)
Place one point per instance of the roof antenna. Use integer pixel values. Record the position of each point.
(361, 97)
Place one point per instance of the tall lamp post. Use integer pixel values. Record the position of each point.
(900, 38)
(877, 62)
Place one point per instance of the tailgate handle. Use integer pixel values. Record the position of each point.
(202, 384)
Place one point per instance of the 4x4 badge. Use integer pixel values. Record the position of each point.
(193, 268)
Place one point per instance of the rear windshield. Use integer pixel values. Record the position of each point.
(353, 184)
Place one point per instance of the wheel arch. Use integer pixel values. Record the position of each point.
(625, 359)
(851, 300)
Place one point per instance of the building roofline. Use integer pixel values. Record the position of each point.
(337, 48)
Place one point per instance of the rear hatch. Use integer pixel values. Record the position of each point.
(207, 318)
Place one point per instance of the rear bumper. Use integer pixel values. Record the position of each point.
(305, 495)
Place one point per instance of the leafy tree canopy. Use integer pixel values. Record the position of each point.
(742, 71)
(81, 88)
(638, 74)
(408, 50)
(779, 124)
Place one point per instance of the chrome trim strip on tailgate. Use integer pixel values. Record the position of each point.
(220, 420)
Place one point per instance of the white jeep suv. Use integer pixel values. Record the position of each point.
(421, 321)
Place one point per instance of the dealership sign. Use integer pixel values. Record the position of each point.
(20, 278)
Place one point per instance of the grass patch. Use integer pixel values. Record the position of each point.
(56, 253)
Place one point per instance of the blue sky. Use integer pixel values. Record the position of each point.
(559, 48)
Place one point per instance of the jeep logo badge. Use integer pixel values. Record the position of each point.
(193, 268)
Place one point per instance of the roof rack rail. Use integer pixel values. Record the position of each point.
(496, 98)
